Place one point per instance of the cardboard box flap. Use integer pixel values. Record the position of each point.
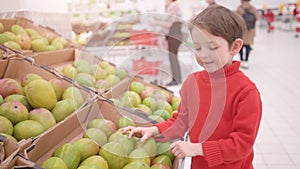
(19, 162)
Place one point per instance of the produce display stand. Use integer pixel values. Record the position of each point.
(17, 68)
(73, 129)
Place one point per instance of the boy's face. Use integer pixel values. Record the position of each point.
(211, 52)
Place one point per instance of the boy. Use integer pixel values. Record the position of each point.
(220, 107)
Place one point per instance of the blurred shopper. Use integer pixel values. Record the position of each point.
(250, 16)
(210, 2)
(220, 107)
(174, 39)
(270, 19)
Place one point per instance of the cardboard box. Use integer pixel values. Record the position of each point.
(26, 23)
(18, 67)
(19, 162)
(41, 149)
(3, 65)
(9, 149)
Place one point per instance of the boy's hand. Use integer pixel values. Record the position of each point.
(183, 149)
(146, 132)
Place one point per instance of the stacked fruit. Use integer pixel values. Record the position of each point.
(31, 106)
(20, 38)
(100, 76)
(157, 103)
(103, 146)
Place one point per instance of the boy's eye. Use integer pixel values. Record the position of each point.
(213, 48)
(198, 49)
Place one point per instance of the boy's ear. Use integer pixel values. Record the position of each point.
(236, 46)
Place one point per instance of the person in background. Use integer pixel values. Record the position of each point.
(174, 40)
(295, 11)
(220, 107)
(210, 2)
(250, 34)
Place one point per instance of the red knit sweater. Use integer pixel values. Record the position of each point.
(223, 111)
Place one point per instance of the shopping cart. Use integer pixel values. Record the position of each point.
(147, 64)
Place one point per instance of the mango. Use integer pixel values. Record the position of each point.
(127, 143)
(9, 137)
(27, 129)
(94, 161)
(6, 126)
(100, 73)
(149, 146)
(62, 109)
(85, 79)
(17, 29)
(69, 154)
(63, 40)
(162, 159)
(125, 121)
(54, 163)
(96, 135)
(57, 44)
(121, 73)
(20, 98)
(1, 27)
(11, 35)
(39, 45)
(49, 36)
(4, 38)
(14, 111)
(87, 147)
(40, 94)
(58, 87)
(115, 155)
(24, 41)
(13, 45)
(107, 126)
(131, 99)
(137, 87)
(137, 164)
(10, 86)
(88, 167)
(112, 79)
(139, 154)
(69, 71)
(29, 77)
(42, 116)
(51, 48)
(1, 99)
(31, 32)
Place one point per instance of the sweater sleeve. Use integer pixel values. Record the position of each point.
(240, 142)
(176, 126)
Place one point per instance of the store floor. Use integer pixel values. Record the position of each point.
(274, 67)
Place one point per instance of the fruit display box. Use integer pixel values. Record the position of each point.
(77, 125)
(19, 67)
(133, 96)
(19, 162)
(3, 65)
(33, 32)
(86, 69)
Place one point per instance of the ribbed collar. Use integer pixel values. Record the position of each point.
(225, 72)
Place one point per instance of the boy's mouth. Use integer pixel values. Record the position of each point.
(207, 63)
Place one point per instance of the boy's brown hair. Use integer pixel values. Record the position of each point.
(221, 21)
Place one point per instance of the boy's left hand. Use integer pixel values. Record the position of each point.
(182, 149)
